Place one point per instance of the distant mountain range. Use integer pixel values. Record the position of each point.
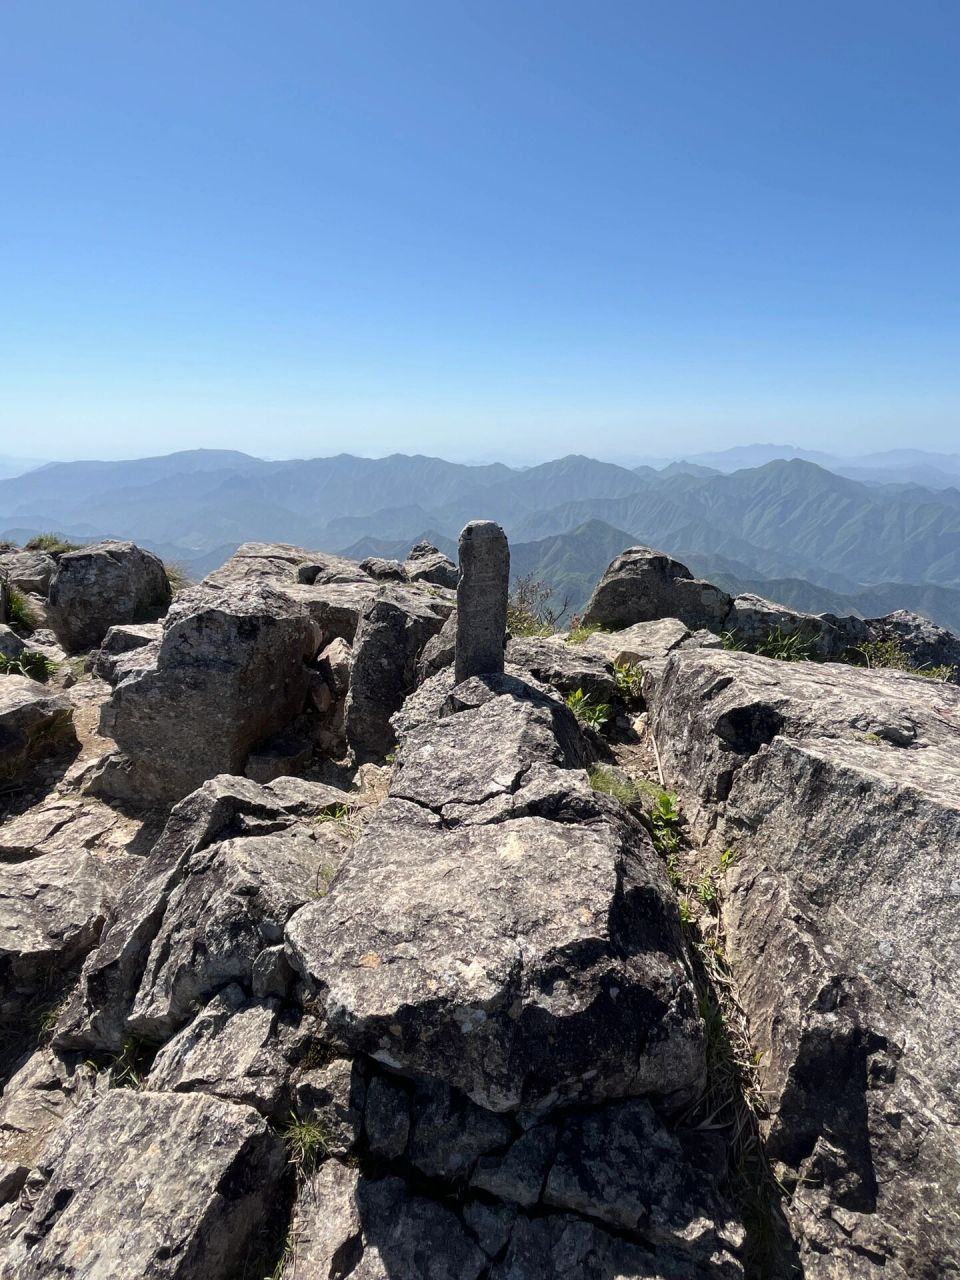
(788, 528)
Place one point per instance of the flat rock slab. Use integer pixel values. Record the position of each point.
(839, 788)
(523, 960)
(35, 721)
(169, 1186)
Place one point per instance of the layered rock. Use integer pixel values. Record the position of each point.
(35, 722)
(839, 790)
(101, 585)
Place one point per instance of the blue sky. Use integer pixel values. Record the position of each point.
(511, 228)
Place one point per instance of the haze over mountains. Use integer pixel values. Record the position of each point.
(864, 534)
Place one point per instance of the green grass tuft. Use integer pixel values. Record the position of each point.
(578, 634)
(52, 544)
(30, 663)
(592, 714)
(305, 1138)
(890, 655)
(20, 614)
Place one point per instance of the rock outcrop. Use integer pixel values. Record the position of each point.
(641, 585)
(28, 571)
(101, 585)
(839, 790)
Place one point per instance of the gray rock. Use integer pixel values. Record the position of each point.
(524, 962)
(52, 910)
(752, 619)
(334, 663)
(335, 1094)
(273, 562)
(272, 975)
(386, 1117)
(439, 650)
(450, 1132)
(520, 1173)
(28, 571)
(121, 641)
(101, 585)
(925, 643)
(405, 1234)
(233, 900)
(392, 632)
(4, 598)
(844, 887)
(229, 672)
(564, 667)
(11, 646)
(326, 1233)
(223, 808)
(426, 564)
(383, 570)
(278, 756)
(229, 1050)
(641, 585)
(482, 600)
(34, 722)
(143, 1184)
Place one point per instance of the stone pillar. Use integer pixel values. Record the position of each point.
(482, 600)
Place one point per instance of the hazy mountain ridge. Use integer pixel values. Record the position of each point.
(789, 522)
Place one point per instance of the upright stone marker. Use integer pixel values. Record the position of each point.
(482, 600)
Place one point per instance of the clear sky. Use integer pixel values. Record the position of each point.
(511, 228)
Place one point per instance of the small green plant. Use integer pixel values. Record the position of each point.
(305, 1138)
(592, 714)
(529, 608)
(52, 544)
(629, 678)
(127, 1069)
(20, 613)
(29, 663)
(889, 654)
(730, 641)
(790, 646)
(666, 820)
(325, 875)
(611, 783)
(579, 631)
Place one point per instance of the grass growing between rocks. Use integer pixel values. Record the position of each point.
(629, 678)
(529, 608)
(732, 1102)
(30, 663)
(20, 613)
(889, 655)
(581, 633)
(178, 578)
(52, 544)
(792, 646)
(592, 714)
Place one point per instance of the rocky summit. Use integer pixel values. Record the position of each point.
(356, 923)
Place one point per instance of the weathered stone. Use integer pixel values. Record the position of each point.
(228, 1050)
(752, 619)
(28, 571)
(482, 600)
(405, 1234)
(223, 808)
(439, 650)
(11, 646)
(234, 899)
(520, 1173)
(426, 564)
(120, 642)
(525, 961)
(383, 570)
(229, 672)
(52, 910)
(844, 887)
(326, 1234)
(278, 756)
(924, 642)
(34, 722)
(334, 663)
(564, 667)
(266, 562)
(386, 1118)
(141, 1184)
(450, 1132)
(641, 585)
(393, 630)
(335, 1094)
(101, 585)
(271, 974)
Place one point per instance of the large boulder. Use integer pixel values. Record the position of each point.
(641, 585)
(101, 585)
(838, 789)
(924, 642)
(392, 632)
(230, 670)
(176, 1187)
(35, 722)
(502, 928)
(28, 571)
(426, 564)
